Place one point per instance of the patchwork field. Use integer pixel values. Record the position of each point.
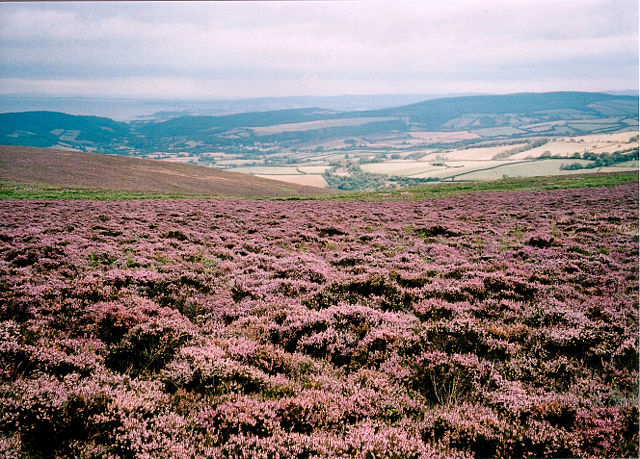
(598, 143)
(494, 324)
(537, 168)
(526, 157)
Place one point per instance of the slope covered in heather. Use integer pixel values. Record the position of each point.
(499, 324)
(108, 172)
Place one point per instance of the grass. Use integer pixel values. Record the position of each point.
(16, 190)
(442, 190)
(36, 191)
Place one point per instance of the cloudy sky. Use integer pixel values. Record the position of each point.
(254, 49)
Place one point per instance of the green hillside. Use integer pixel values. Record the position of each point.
(510, 116)
(44, 129)
(542, 106)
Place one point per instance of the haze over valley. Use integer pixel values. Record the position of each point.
(442, 139)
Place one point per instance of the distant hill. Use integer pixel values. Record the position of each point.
(108, 172)
(471, 112)
(45, 129)
(143, 108)
(270, 131)
(536, 107)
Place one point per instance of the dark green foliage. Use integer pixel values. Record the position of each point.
(359, 180)
(35, 129)
(602, 159)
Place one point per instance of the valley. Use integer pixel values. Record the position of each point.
(450, 139)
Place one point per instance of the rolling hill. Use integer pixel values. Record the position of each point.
(45, 129)
(495, 117)
(109, 172)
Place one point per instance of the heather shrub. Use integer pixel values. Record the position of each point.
(209, 370)
(608, 431)
(463, 336)
(113, 320)
(436, 309)
(150, 344)
(481, 432)
(336, 345)
(36, 408)
(494, 325)
(238, 415)
(48, 413)
(10, 447)
(378, 290)
(450, 379)
(275, 360)
(473, 429)
(540, 240)
(368, 439)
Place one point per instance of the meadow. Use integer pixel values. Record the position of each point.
(482, 324)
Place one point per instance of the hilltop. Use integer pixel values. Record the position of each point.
(488, 325)
(109, 172)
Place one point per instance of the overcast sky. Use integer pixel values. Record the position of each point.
(254, 49)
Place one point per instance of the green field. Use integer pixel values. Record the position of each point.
(444, 190)
(14, 190)
(37, 191)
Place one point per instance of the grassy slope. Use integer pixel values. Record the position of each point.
(18, 190)
(82, 175)
(443, 190)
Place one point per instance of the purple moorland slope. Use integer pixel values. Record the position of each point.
(495, 324)
(111, 172)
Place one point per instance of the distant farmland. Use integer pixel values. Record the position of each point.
(371, 149)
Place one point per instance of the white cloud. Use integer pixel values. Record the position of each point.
(317, 47)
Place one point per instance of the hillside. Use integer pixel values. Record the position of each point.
(45, 129)
(254, 133)
(455, 138)
(511, 109)
(495, 324)
(77, 169)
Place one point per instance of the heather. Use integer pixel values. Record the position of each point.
(497, 324)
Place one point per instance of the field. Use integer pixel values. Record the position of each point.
(403, 157)
(566, 146)
(502, 323)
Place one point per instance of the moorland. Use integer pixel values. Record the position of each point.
(486, 324)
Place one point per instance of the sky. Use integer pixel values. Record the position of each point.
(294, 48)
